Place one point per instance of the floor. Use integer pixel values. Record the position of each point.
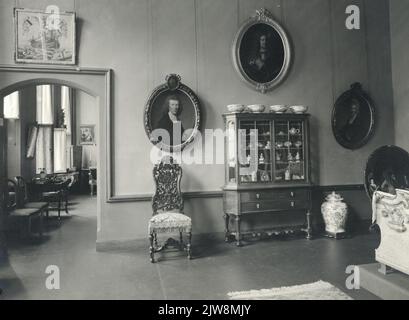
(217, 268)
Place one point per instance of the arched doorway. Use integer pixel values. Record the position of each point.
(96, 82)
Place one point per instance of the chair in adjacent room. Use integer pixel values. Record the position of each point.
(15, 213)
(23, 199)
(167, 205)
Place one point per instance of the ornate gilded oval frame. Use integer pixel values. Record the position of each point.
(275, 71)
(353, 131)
(155, 107)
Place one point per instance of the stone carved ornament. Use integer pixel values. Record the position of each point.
(393, 207)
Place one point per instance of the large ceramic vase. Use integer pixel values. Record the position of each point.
(335, 213)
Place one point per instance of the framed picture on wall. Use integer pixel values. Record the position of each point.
(46, 37)
(353, 118)
(261, 52)
(87, 135)
(172, 115)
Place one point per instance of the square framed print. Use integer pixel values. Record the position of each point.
(44, 37)
(87, 135)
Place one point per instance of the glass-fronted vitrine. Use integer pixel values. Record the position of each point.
(267, 165)
(267, 149)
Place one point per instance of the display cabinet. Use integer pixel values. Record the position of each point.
(267, 171)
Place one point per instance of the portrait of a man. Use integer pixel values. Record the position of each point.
(262, 53)
(170, 120)
(354, 128)
(172, 115)
(353, 118)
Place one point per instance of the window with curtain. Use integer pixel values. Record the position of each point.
(45, 120)
(66, 106)
(54, 145)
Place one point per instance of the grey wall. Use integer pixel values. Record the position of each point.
(86, 110)
(17, 135)
(144, 40)
(399, 10)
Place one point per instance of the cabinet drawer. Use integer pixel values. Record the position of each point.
(279, 205)
(274, 195)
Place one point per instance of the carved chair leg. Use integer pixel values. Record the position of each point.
(181, 240)
(156, 239)
(29, 226)
(151, 248)
(188, 246)
(309, 225)
(226, 232)
(41, 224)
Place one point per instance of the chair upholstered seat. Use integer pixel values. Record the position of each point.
(36, 205)
(170, 222)
(25, 212)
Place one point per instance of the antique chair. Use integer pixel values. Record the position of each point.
(13, 212)
(55, 192)
(167, 205)
(23, 199)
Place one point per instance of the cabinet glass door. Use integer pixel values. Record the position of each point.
(255, 156)
(289, 151)
(231, 151)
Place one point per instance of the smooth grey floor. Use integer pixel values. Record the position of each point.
(217, 267)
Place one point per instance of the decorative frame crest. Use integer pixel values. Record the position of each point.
(262, 17)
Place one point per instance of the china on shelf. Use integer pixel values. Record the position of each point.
(256, 108)
(292, 131)
(299, 109)
(235, 108)
(279, 108)
(288, 144)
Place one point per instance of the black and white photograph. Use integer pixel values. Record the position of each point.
(204, 158)
(172, 114)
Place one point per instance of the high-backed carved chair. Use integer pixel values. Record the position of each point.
(167, 205)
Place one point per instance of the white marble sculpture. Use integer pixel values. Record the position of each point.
(391, 213)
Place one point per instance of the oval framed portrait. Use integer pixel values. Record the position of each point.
(262, 52)
(172, 115)
(353, 118)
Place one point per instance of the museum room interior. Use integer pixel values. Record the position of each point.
(204, 149)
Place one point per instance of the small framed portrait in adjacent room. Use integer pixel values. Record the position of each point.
(46, 37)
(172, 115)
(353, 118)
(262, 52)
(87, 135)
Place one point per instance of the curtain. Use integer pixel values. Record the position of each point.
(44, 159)
(45, 112)
(66, 106)
(60, 150)
(12, 105)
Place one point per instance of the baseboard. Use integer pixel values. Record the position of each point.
(143, 243)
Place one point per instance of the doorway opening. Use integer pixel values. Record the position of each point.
(51, 144)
